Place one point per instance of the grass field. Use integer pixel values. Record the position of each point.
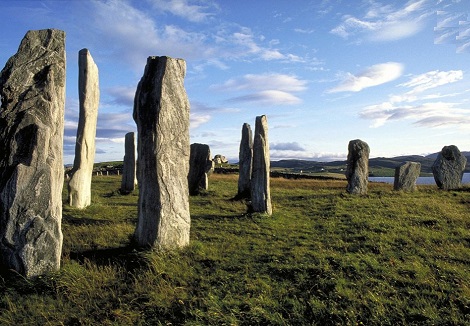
(323, 258)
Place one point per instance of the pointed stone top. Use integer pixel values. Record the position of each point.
(38, 50)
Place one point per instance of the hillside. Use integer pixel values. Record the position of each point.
(379, 166)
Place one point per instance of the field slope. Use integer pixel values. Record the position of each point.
(324, 258)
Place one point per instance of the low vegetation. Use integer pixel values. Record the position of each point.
(324, 258)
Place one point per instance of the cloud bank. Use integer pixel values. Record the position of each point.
(381, 23)
(373, 76)
(270, 89)
(416, 105)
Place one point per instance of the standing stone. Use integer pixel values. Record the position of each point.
(245, 162)
(406, 175)
(220, 159)
(357, 171)
(32, 89)
(79, 186)
(200, 166)
(448, 168)
(129, 166)
(161, 111)
(260, 189)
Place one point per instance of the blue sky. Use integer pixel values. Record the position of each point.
(395, 74)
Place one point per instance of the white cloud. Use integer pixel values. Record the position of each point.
(133, 35)
(445, 35)
(122, 95)
(428, 114)
(417, 105)
(443, 121)
(114, 126)
(396, 31)
(283, 126)
(211, 62)
(433, 79)
(288, 83)
(320, 156)
(201, 113)
(292, 146)
(268, 97)
(449, 18)
(464, 47)
(198, 119)
(265, 89)
(193, 12)
(385, 22)
(304, 31)
(243, 43)
(372, 76)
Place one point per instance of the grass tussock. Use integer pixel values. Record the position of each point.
(324, 258)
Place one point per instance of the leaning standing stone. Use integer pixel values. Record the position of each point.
(161, 111)
(245, 162)
(357, 171)
(200, 165)
(32, 89)
(79, 186)
(406, 175)
(260, 189)
(129, 166)
(448, 168)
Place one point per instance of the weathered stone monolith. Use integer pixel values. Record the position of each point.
(32, 89)
(161, 111)
(448, 168)
(357, 171)
(260, 188)
(200, 165)
(128, 180)
(406, 175)
(245, 162)
(79, 186)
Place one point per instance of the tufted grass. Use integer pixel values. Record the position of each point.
(324, 258)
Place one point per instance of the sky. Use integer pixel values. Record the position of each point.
(395, 74)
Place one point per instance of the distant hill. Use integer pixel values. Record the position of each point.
(375, 164)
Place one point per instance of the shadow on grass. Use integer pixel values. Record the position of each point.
(216, 217)
(69, 219)
(129, 257)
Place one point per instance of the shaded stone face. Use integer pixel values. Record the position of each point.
(245, 162)
(357, 171)
(128, 180)
(406, 175)
(79, 186)
(32, 89)
(260, 186)
(200, 165)
(448, 168)
(161, 112)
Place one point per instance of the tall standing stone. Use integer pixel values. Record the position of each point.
(32, 89)
(161, 111)
(357, 170)
(129, 165)
(79, 186)
(200, 165)
(245, 162)
(448, 168)
(260, 188)
(406, 175)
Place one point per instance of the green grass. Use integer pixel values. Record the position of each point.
(323, 258)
